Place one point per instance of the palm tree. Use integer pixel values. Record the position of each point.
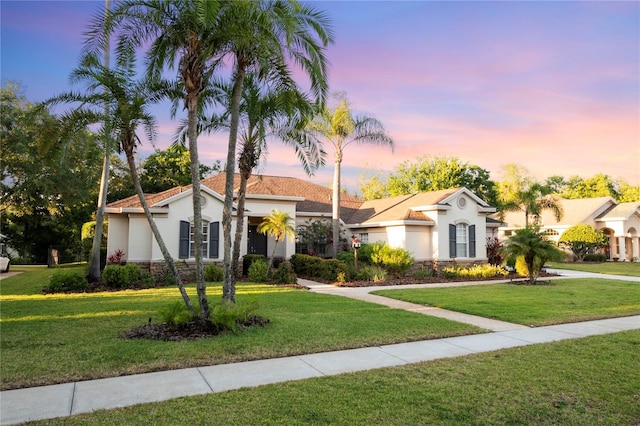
(94, 262)
(186, 33)
(341, 128)
(269, 109)
(531, 244)
(277, 225)
(128, 103)
(267, 38)
(532, 201)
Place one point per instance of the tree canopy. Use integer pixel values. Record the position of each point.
(582, 239)
(431, 174)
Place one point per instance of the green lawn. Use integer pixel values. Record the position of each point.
(60, 338)
(590, 381)
(615, 268)
(564, 300)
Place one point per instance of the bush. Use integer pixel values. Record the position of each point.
(595, 258)
(521, 266)
(175, 315)
(476, 271)
(232, 315)
(213, 273)
(258, 271)
(372, 273)
(63, 281)
(395, 260)
(123, 276)
(285, 274)
(332, 267)
(422, 273)
(312, 266)
(247, 260)
(495, 252)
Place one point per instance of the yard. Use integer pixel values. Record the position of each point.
(595, 380)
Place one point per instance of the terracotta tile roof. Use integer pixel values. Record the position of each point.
(317, 198)
(134, 202)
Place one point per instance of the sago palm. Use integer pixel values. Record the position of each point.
(531, 244)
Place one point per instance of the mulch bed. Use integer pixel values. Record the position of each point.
(192, 330)
(513, 277)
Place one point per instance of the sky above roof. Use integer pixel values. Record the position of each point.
(553, 86)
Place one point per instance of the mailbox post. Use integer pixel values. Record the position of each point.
(355, 244)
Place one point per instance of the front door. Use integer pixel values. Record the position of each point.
(256, 242)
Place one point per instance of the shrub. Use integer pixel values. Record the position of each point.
(117, 257)
(521, 266)
(395, 260)
(373, 273)
(175, 315)
(213, 273)
(258, 271)
(476, 271)
(332, 267)
(123, 276)
(495, 253)
(248, 259)
(312, 266)
(595, 258)
(582, 239)
(285, 274)
(232, 316)
(63, 281)
(422, 273)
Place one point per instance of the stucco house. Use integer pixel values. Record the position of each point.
(434, 227)
(619, 221)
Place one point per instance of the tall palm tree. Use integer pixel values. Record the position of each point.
(530, 243)
(277, 225)
(268, 109)
(94, 262)
(341, 128)
(268, 36)
(128, 103)
(185, 33)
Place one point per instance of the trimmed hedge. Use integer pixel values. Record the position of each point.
(312, 266)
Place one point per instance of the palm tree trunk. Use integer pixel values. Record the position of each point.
(273, 255)
(336, 201)
(156, 232)
(237, 243)
(228, 287)
(94, 264)
(197, 203)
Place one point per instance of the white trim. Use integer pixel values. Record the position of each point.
(391, 223)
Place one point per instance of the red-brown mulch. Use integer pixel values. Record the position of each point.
(513, 277)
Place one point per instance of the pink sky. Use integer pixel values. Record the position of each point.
(553, 86)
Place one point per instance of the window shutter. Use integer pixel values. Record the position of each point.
(214, 240)
(183, 252)
(452, 241)
(472, 241)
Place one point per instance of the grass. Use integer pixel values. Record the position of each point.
(565, 300)
(614, 268)
(589, 381)
(58, 338)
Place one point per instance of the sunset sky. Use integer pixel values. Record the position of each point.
(553, 86)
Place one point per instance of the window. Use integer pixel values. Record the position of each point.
(205, 239)
(364, 237)
(462, 240)
(210, 240)
(551, 232)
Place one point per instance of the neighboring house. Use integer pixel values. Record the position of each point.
(435, 227)
(619, 221)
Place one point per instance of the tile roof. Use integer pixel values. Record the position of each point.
(317, 199)
(399, 208)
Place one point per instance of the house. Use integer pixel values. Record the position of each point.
(619, 221)
(435, 227)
